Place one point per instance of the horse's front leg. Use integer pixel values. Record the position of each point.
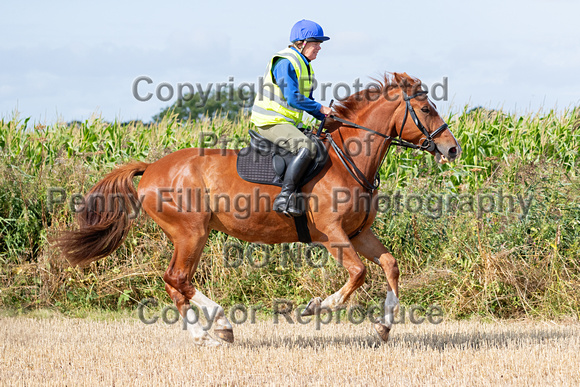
(369, 246)
(343, 251)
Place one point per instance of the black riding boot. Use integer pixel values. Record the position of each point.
(285, 202)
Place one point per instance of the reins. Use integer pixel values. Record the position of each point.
(358, 175)
(428, 144)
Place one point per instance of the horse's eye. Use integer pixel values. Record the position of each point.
(425, 109)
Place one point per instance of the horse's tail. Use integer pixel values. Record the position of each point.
(105, 217)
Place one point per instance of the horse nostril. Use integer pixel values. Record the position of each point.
(452, 152)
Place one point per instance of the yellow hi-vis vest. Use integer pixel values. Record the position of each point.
(270, 106)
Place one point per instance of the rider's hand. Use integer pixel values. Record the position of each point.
(325, 110)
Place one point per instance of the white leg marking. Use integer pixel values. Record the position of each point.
(391, 308)
(213, 312)
(200, 336)
(333, 302)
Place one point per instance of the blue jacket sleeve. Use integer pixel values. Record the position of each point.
(285, 78)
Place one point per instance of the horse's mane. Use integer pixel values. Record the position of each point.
(349, 107)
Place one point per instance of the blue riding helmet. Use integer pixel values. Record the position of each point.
(307, 30)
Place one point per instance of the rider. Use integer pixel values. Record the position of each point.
(279, 106)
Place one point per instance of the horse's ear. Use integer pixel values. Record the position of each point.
(403, 80)
(397, 77)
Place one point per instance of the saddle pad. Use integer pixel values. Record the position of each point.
(255, 164)
(256, 167)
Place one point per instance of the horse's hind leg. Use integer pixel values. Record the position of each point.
(189, 237)
(368, 245)
(188, 249)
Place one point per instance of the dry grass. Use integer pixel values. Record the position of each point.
(60, 351)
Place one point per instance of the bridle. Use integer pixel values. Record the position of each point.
(427, 144)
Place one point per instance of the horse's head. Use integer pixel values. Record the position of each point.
(416, 119)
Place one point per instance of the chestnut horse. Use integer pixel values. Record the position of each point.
(373, 118)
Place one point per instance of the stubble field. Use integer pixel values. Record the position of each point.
(65, 351)
(500, 264)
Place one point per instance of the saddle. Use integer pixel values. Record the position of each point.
(264, 162)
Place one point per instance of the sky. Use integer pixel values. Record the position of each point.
(65, 60)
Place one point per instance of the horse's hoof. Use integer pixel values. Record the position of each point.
(226, 335)
(312, 307)
(383, 331)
